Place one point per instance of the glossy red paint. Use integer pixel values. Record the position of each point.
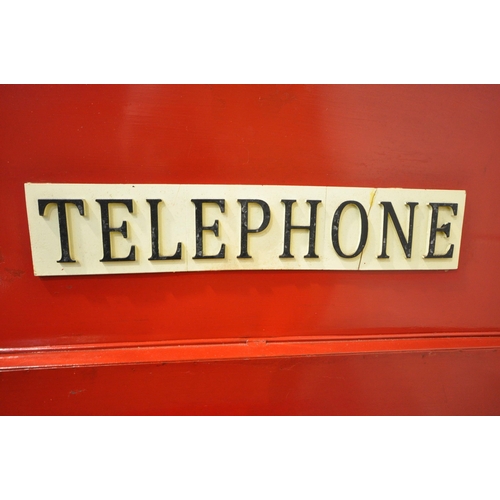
(435, 137)
(398, 383)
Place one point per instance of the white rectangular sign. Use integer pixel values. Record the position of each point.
(115, 228)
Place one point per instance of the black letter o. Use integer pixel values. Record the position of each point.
(335, 229)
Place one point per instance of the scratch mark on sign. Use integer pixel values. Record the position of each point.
(372, 197)
(72, 393)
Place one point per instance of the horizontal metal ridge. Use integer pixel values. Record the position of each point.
(224, 349)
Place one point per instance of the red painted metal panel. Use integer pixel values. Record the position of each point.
(422, 383)
(435, 137)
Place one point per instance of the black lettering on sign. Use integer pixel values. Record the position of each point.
(405, 243)
(311, 254)
(445, 229)
(106, 230)
(63, 223)
(336, 224)
(266, 212)
(200, 228)
(155, 235)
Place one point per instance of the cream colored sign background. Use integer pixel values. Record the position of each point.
(177, 224)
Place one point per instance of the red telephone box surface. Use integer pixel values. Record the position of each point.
(252, 342)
